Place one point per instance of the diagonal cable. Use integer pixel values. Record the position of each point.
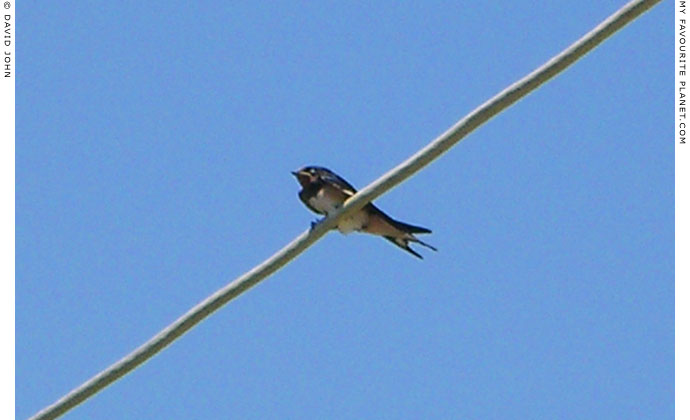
(445, 141)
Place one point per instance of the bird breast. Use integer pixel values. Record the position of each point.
(326, 201)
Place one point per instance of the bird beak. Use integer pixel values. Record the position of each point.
(295, 173)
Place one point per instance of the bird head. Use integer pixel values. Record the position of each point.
(310, 174)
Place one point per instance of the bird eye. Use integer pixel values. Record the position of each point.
(312, 171)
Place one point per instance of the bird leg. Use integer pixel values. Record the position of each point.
(316, 222)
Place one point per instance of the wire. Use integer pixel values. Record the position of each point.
(445, 141)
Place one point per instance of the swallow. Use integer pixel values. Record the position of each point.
(324, 192)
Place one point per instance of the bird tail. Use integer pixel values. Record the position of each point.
(404, 243)
(423, 243)
(409, 228)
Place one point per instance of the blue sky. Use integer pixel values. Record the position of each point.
(154, 144)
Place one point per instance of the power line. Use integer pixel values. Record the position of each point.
(453, 135)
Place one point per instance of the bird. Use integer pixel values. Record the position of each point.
(324, 192)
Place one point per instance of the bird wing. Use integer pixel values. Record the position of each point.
(339, 183)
